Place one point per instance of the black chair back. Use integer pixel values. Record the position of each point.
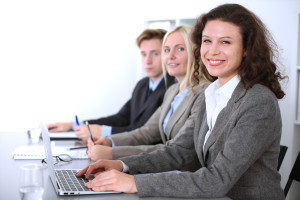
(294, 175)
(282, 153)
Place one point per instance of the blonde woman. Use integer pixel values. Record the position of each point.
(181, 102)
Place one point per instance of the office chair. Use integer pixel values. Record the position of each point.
(294, 175)
(282, 153)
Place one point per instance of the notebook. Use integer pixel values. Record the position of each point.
(38, 153)
(64, 181)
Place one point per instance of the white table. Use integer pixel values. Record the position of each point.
(9, 172)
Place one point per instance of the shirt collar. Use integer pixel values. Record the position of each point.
(226, 90)
(184, 92)
(154, 85)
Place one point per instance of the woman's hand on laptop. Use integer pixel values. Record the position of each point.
(99, 167)
(59, 127)
(113, 180)
(108, 177)
(82, 131)
(96, 152)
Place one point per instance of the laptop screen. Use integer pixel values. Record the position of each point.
(48, 154)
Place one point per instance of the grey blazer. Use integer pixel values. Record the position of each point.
(239, 159)
(144, 138)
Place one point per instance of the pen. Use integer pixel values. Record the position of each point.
(74, 148)
(76, 119)
(87, 124)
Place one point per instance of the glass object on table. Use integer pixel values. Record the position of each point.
(31, 182)
(34, 134)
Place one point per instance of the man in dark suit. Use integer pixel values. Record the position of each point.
(146, 97)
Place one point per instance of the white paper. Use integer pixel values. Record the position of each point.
(38, 152)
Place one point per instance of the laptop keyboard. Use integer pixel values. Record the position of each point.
(69, 182)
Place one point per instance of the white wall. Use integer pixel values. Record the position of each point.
(61, 58)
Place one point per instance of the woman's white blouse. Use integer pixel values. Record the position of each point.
(216, 98)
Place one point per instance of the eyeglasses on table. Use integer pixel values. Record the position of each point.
(57, 159)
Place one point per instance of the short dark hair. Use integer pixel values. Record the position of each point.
(150, 34)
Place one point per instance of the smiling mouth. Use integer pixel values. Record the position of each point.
(214, 62)
(172, 65)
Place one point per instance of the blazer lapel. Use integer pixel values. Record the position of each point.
(238, 93)
(178, 113)
(165, 110)
(199, 135)
(160, 90)
(155, 94)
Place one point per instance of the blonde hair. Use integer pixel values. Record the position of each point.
(186, 32)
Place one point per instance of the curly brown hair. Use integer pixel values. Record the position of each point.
(258, 66)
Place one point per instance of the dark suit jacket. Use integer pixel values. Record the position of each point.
(136, 112)
(239, 158)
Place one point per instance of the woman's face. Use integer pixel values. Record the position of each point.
(175, 56)
(222, 49)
